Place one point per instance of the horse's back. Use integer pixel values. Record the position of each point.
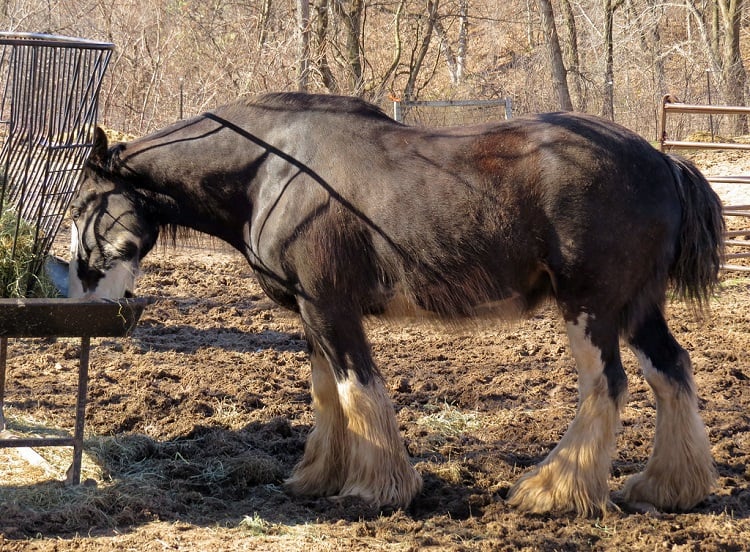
(461, 217)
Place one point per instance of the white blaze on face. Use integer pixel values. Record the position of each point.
(75, 287)
(116, 281)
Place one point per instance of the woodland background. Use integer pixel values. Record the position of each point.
(617, 58)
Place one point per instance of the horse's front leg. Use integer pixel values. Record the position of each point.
(356, 448)
(321, 471)
(574, 476)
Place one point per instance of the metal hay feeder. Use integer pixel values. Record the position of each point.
(48, 111)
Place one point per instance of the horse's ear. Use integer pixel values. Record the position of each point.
(99, 149)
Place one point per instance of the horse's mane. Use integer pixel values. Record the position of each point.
(295, 101)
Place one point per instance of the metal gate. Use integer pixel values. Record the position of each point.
(737, 239)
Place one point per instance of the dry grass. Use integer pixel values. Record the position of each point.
(445, 425)
(127, 478)
(17, 259)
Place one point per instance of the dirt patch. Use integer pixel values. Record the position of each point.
(194, 421)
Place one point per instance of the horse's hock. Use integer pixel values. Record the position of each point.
(48, 111)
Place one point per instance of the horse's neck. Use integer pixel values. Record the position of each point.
(180, 199)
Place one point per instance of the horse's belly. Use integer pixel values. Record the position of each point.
(400, 306)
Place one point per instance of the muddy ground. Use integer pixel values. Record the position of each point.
(194, 421)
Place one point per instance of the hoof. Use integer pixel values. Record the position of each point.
(539, 492)
(667, 493)
(395, 490)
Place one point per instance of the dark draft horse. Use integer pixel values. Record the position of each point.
(342, 211)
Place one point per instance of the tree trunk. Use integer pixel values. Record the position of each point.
(418, 58)
(397, 48)
(445, 48)
(735, 76)
(321, 38)
(463, 38)
(608, 103)
(650, 42)
(559, 73)
(720, 25)
(572, 58)
(265, 14)
(352, 20)
(303, 44)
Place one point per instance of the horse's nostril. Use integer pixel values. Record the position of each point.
(128, 294)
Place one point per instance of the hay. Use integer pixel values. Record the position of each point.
(18, 257)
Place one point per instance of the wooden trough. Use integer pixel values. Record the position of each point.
(84, 318)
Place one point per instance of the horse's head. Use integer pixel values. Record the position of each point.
(111, 231)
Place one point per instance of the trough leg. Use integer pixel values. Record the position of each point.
(3, 360)
(74, 472)
(680, 472)
(574, 475)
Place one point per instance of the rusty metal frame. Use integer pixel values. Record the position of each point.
(64, 318)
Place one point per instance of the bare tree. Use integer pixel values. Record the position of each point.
(321, 38)
(608, 104)
(559, 73)
(456, 61)
(421, 49)
(571, 56)
(265, 17)
(303, 55)
(719, 26)
(387, 80)
(463, 38)
(445, 47)
(350, 13)
(735, 76)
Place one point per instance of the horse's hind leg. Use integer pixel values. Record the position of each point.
(356, 448)
(574, 475)
(680, 472)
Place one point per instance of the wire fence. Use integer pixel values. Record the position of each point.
(452, 112)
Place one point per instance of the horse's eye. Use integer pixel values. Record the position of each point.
(75, 212)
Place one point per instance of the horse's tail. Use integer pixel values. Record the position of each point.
(700, 251)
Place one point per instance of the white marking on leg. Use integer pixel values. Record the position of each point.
(588, 357)
(574, 475)
(321, 470)
(378, 469)
(680, 472)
